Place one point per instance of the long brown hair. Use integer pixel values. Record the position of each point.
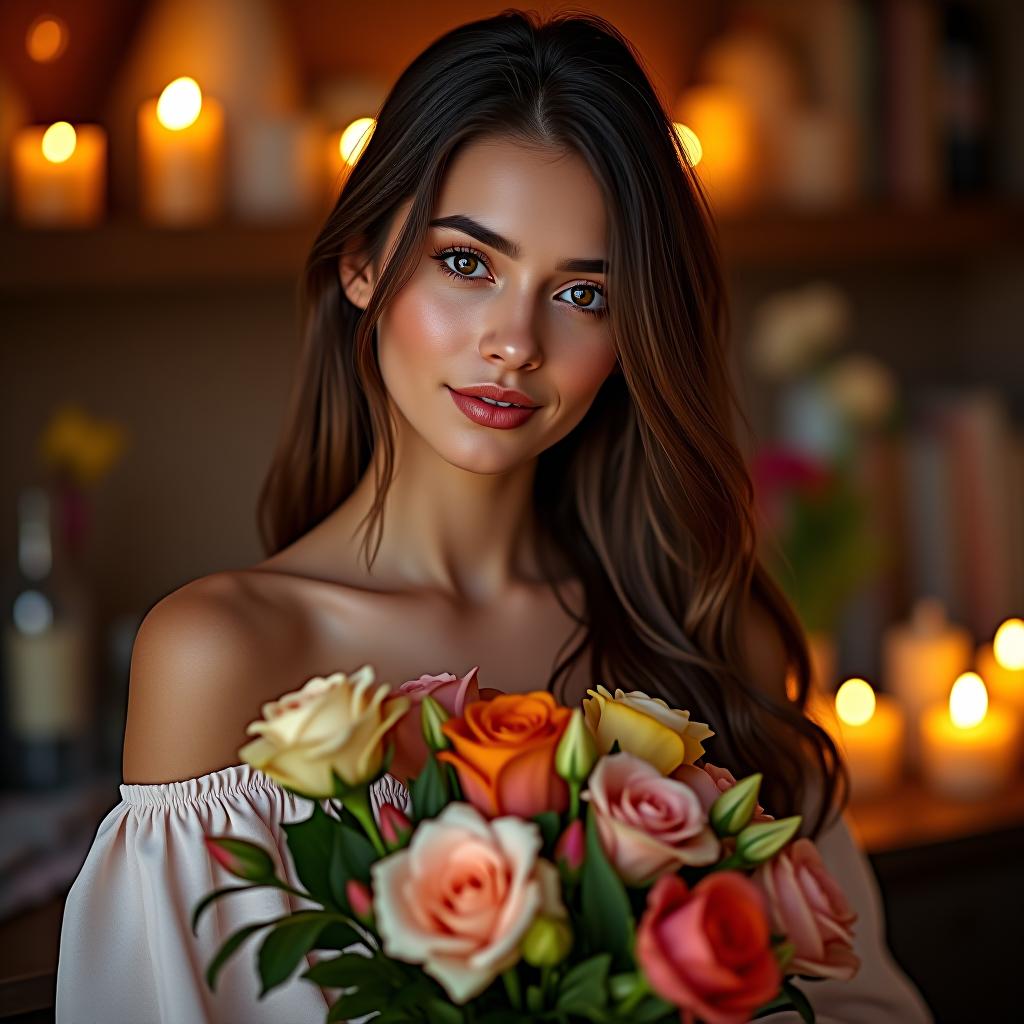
(648, 499)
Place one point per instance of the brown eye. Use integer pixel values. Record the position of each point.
(583, 296)
(464, 263)
(587, 298)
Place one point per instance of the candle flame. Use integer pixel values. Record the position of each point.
(691, 144)
(179, 104)
(354, 139)
(59, 142)
(1008, 645)
(855, 702)
(46, 39)
(968, 700)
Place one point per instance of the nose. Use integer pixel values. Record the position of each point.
(511, 340)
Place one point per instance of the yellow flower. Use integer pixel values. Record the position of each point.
(335, 724)
(81, 444)
(645, 726)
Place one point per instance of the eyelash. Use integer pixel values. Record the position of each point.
(440, 255)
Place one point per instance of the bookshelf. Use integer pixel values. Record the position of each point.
(126, 254)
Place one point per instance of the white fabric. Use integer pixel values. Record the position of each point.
(128, 956)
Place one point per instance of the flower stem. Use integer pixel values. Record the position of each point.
(640, 990)
(358, 802)
(512, 988)
(574, 800)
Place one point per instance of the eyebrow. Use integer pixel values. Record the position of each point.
(511, 249)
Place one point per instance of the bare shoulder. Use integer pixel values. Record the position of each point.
(203, 660)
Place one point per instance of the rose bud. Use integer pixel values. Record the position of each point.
(547, 941)
(432, 717)
(763, 839)
(576, 751)
(732, 811)
(570, 849)
(395, 827)
(360, 900)
(243, 859)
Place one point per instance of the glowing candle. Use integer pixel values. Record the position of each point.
(969, 749)
(870, 730)
(343, 150)
(181, 155)
(60, 175)
(1001, 664)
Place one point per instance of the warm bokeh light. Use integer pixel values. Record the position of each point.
(59, 142)
(968, 700)
(355, 137)
(46, 39)
(855, 702)
(691, 144)
(179, 104)
(1008, 645)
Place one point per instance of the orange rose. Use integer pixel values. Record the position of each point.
(503, 751)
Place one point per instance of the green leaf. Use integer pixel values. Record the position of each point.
(607, 914)
(345, 971)
(231, 944)
(357, 1004)
(287, 945)
(653, 1008)
(584, 987)
(800, 1002)
(216, 894)
(310, 843)
(550, 823)
(338, 935)
(429, 791)
(351, 857)
(534, 998)
(442, 1012)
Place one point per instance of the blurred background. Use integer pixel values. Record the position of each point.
(165, 166)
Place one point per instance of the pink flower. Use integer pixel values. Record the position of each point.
(648, 824)
(807, 904)
(461, 896)
(451, 692)
(710, 782)
(708, 950)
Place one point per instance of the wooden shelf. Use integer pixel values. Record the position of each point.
(123, 254)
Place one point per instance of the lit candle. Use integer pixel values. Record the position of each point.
(181, 155)
(60, 175)
(870, 732)
(969, 749)
(920, 660)
(343, 150)
(1001, 664)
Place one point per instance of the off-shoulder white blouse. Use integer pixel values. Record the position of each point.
(128, 955)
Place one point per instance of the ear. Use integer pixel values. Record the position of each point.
(357, 276)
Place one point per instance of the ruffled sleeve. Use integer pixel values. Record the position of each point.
(127, 952)
(880, 992)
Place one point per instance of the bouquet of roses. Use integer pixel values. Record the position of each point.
(551, 863)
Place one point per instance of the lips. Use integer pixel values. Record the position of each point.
(486, 415)
(498, 394)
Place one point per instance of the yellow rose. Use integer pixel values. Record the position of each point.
(645, 726)
(334, 723)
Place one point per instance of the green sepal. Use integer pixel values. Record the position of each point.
(607, 914)
(429, 791)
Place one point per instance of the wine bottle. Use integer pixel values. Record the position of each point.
(47, 654)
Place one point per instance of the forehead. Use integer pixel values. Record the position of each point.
(544, 198)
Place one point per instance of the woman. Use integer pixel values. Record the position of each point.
(510, 439)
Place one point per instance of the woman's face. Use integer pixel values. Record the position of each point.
(510, 290)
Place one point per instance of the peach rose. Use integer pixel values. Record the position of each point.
(648, 824)
(451, 692)
(645, 726)
(809, 907)
(708, 949)
(461, 896)
(504, 753)
(710, 782)
(333, 724)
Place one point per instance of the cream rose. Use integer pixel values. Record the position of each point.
(461, 896)
(334, 724)
(648, 824)
(645, 726)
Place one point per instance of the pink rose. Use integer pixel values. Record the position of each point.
(459, 898)
(807, 904)
(708, 950)
(648, 824)
(452, 693)
(710, 782)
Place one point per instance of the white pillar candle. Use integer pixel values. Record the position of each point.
(181, 156)
(1001, 665)
(59, 175)
(969, 749)
(869, 729)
